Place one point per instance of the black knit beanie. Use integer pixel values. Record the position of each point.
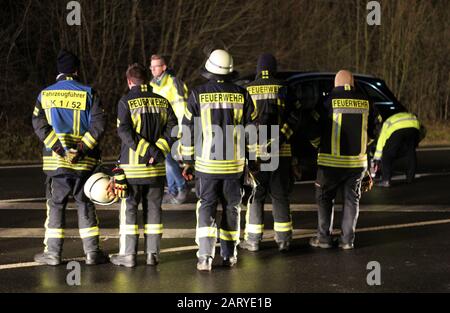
(67, 62)
(266, 62)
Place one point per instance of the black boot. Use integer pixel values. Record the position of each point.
(229, 262)
(152, 259)
(48, 258)
(127, 260)
(96, 257)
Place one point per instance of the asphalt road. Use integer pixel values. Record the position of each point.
(404, 229)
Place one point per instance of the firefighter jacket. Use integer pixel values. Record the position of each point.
(392, 124)
(213, 123)
(269, 96)
(66, 114)
(343, 125)
(144, 124)
(173, 90)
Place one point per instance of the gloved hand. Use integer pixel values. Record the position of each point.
(367, 182)
(59, 150)
(120, 183)
(188, 172)
(74, 155)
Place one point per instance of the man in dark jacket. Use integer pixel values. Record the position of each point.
(69, 119)
(144, 124)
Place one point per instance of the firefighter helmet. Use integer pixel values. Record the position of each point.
(96, 189)
(220, 62)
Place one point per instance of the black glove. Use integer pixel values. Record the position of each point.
(253, 166)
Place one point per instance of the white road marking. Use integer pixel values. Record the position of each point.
(427, 208)
(297, 234)
(433, 149)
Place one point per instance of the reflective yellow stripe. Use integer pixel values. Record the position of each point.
(89, 140)
(54, 233)
(219, 166)
(51, 139)
(76, 122)
(229, 235)
(206, 232)
(281, 227)
(118, 123)
(186, 151)
(163, 145)
(336, 134)
(153, 228)
(364, 118)
(187, 114)
(89, 232)
(347, 87)
(129, 229)
(143, 171)
(36, 111)
(54, 162)
(254, 228)
(342, 161)
(142, 147)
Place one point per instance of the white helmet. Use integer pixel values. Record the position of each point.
(219, 62)
(95, 189)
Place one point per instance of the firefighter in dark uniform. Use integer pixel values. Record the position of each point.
(144, 124)
(270, 98)
(213, 131)
(345, 122)
(69, 119)
(399, 137)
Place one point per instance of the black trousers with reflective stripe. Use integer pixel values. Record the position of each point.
(150, 196)
(211, 192)
(402, 143)
(329, 181)
(58, 190)
(277, 185)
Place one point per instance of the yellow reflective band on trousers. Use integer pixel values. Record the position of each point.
(50, 140)
(143, 171)
(229, 235)
(128, 229)
(89, 141)
(89, 232)
(153, 229)
(52, 163)
(162, 144)
(219, 166)
(203, 232)
(54, 233)
(254, 228)
(325, 159)
(391, 125)
(282, 227)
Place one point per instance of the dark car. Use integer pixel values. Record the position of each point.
(311, 88)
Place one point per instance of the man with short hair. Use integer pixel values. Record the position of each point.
(69, 119)
(344, 124)
(144, 124)
(174, 90)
